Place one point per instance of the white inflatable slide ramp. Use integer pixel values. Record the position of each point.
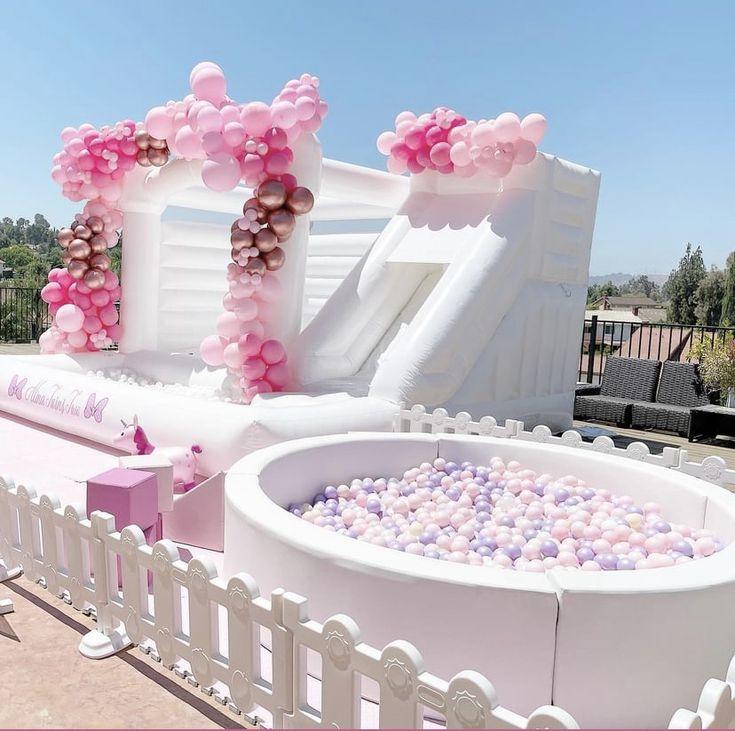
(472, 298)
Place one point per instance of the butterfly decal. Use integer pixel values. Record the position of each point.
(16, 387)
(92, 411)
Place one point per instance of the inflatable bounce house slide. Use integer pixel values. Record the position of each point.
(256, 302)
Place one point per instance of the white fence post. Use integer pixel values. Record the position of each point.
(8, 568)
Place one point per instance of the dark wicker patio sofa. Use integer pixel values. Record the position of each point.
(628, 395)
(624, 381)
(679, 390)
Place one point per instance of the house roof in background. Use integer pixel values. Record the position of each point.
(613, 316)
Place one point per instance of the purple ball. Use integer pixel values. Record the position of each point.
(483, 517)
(450, 467)
(512, 551)
(537, 524)
(374, 505)
(432, 554)
(625, 564)
(452, 493)
(561, 495)
(530, 534)
(661, 526)
(549, 549)
(483, 551)
(587, 493)
(330, 492)
(426, 538)
(683, 547)
(585, 553)
(489, 543)
(634, 509)
(507, 521)
(607, 561)
(318, 498)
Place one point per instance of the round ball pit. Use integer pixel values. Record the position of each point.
(621, 649)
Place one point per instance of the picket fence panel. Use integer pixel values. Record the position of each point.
(210, 630)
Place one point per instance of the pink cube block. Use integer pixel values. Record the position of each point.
(130, 495)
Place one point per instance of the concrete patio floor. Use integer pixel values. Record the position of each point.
(46, 683)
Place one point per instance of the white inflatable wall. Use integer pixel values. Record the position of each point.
(480, 286)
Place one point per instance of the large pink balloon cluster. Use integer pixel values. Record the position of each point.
(249, 143)
(238, 142)
(448, 143)
(92, 166)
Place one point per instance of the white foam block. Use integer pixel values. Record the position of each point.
(6, 606)
(163, 469)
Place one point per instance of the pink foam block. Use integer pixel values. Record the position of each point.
(130, 495)
(198, 517)
(162, 468)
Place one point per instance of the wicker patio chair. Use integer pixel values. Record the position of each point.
(680, 389)
(624, 381)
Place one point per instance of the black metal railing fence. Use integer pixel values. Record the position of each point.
(659, 341)
(23, 314)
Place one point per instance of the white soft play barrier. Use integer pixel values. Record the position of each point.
(620, 649)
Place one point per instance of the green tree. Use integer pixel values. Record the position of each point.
(709, 297)
(640, 285)
(681, 287)
(595, 291)
(728, 298)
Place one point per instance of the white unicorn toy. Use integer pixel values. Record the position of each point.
(133, 439)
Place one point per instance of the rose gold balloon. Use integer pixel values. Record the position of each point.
(157, 157)
(66, 258)
(83, 232)
(157, 144)
(282, 221)
(250, 203)
(95, 224)
(94, 278)
(79, 249)
(65, 237)
(241, 239)
(256, 266)
(274, 259)
(300, 200)
(98, 244)
(77, 268)
(142, 158)
(74, 224)
(271, 194)
(266, 240)
(142, 139)
(100, 261)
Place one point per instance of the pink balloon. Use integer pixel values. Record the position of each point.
(77, 339)
(525, 151)
(386, 140)
(187, 143)
(459, 154)
(52, 292)
(200, 67)
(272, 352)
(221, 172)
(256, 118)
(507, 127)
(270, 288)
(533, 127)
(253, 368)
(209, 120)
(440, 153)
(228, 326)
(108, 315)
(209, 84)
(212, 143)
(114, 332)
(246, 309)
(250, 344)
(92, 324)
(212, 350)
(158, 123)
(284, 115)
(69, 318)
(233, 356)
(233, 133)
(396, 166)
(278, 375)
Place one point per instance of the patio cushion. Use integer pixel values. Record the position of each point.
(663, 417)
(681, 385)
(603, 408)
(633, 379)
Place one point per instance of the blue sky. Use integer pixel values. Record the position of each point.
(641, 91)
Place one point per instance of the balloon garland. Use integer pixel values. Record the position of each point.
(445, 141)
(249, 143)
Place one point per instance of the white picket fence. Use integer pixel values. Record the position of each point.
(213, 631)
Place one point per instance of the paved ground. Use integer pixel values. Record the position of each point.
(18, 348)
(46, 683)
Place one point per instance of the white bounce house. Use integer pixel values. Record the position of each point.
(472, 297)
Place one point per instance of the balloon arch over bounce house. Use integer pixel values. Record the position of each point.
(259, 308)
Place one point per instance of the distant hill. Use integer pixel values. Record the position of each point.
(619, 278)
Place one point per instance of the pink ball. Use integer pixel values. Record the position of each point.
(77, 339)
(52, 292)
(92, 324)
(440, 153)
(69, 318)
(533, 127)
(250, 344)
(386, 140)
(187, 143)
(228, 325)
(278, 375)
(507, 127)
(158, 123)
(108, 315)
(212, 350)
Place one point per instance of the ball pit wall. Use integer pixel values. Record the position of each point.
(612, 648)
